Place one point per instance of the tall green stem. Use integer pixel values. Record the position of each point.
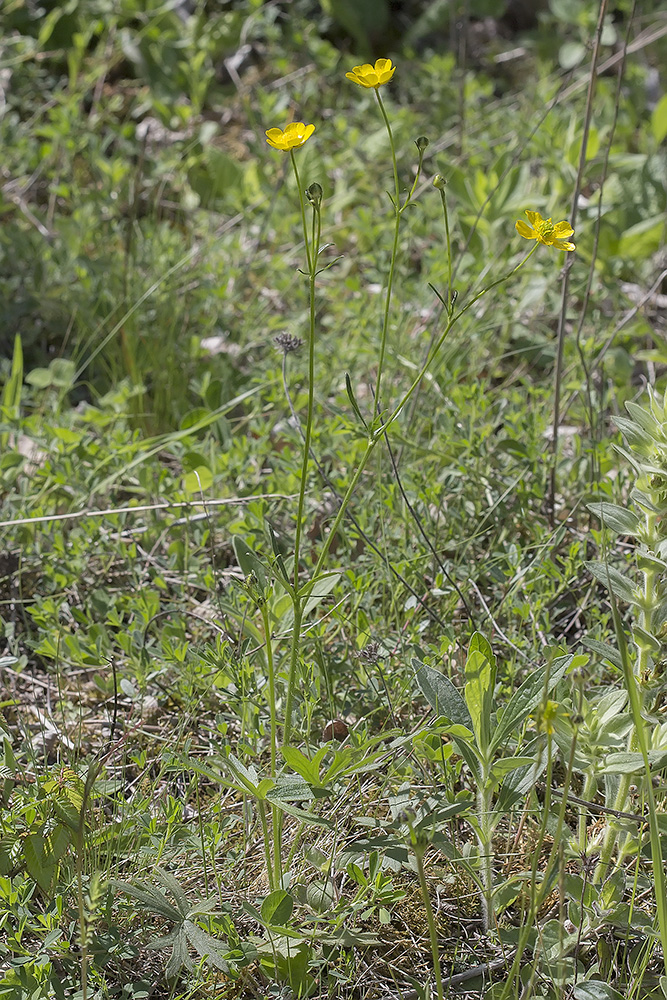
(454, 318)
(297, 604)
(484, 807)
(377, 434)
(440, 182)
(394, 255)
(261, 808)
(272, 684)
(420, 850)
(649, 600)
(312, 255)
(303, 209)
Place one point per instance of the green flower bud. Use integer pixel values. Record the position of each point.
(314, 194)
(439, 182)
(421, 143)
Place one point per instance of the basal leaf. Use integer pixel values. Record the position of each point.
(441, 694)
(205, 945)
(277, 908)
(478, 690)
(308, 769)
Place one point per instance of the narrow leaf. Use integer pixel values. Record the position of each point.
(205, 946)
(619, 519)
(615, 581)
(529, 695)
(353, 400)
(605, 650)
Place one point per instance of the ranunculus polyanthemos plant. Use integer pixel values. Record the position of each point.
(285, 592)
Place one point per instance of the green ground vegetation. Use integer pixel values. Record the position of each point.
(310, 686)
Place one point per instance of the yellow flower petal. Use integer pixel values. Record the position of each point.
(523, 229)
(562, 229)
(563, 244)
(372, 76)
(293, 136)
(545, 231)
(274, 137)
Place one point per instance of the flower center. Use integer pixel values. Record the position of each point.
(545, 231)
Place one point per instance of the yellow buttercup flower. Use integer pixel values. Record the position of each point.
(372, 76)
(551, 234)
(292, 137)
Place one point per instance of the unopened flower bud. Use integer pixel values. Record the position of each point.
(421, 143)
(314, 194)
(439, 182)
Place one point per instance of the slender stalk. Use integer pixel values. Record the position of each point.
(484, 806)
(650, 596)
(83, 924)
(312, 253)
(440, 184)
(562, 319)
(420, 851)
(270, 670)
(454, 318)
(261, 808)
(202, 839)
(303, 209)
(635, 698)
(588, 792)
(297, 604)
(394, 255)
(377, 434)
